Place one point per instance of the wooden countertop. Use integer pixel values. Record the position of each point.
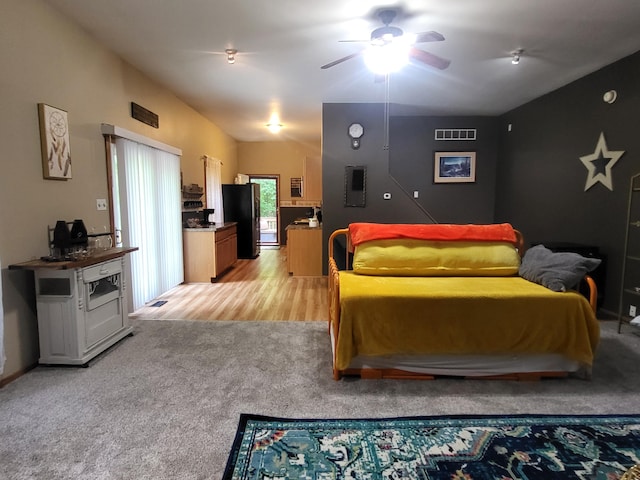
(96, 257)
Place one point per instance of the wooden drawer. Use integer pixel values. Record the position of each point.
(225, 233)
(101, 270)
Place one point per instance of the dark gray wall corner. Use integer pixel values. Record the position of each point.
(541, 180)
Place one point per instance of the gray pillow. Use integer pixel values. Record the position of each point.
(558, 271)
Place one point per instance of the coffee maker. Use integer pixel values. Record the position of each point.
(207, 217)
(65, 244)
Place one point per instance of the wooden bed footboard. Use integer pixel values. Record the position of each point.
(334, 317)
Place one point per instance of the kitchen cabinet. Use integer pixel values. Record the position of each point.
(304, 250)
(81, 305)
(209, 252)
(312, 190)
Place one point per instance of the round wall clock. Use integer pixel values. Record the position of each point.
(355, 132)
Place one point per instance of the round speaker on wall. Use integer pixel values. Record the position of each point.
(610, 96)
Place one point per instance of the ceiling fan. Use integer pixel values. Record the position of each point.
(388, 35)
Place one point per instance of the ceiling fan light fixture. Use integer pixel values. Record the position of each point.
(231, 55)
(384, 59)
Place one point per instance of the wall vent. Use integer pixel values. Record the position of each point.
(455, 133)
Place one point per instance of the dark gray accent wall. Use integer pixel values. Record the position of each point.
(403, 167)
(541, 180)
(412, 150)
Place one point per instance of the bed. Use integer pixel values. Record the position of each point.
(420, 301)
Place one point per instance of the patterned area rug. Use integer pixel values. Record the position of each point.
(453, 448)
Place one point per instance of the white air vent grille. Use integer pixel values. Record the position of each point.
(455, 133)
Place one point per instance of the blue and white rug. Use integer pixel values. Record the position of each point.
(454, 448)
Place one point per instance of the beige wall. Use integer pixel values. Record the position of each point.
(46, 58)
(287, 159)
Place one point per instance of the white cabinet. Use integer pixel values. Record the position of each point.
(81, 311)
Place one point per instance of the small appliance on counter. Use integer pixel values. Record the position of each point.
(316, 219)
(79, 237)
(205, 222)
(65, 244)
(207, 217)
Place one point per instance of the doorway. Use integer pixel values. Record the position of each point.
(269, 208)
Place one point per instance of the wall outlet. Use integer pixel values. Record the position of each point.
(632, 310)
(101, 203)
(416, 194)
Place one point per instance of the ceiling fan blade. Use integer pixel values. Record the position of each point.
(429, 58)
(429, 37)
(340, 60)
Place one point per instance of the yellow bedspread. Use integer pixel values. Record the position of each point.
(460, 315)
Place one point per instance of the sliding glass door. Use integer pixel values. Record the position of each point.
(147, 215)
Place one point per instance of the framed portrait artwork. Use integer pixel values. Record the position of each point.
(454, 167)
(54, 142)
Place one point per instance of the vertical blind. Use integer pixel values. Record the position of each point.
(148, 210)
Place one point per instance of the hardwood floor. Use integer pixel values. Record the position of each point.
(259, 289)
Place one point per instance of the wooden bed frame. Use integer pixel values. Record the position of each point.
(392, 373)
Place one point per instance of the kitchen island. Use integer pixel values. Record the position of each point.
(304, 249)
(209, 251)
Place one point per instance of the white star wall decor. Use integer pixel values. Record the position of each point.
(600, 163)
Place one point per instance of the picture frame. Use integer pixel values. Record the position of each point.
(54, 142)
(454, 167)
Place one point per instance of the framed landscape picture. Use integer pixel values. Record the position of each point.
(454, 167)
(54, 142)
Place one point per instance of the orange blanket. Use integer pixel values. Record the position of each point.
(364, 232)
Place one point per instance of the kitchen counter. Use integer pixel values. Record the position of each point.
(303, 226)
(215, 228)
(304, 249)
(209, 251)
(96, 257)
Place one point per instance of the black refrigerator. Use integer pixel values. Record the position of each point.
(241, 204)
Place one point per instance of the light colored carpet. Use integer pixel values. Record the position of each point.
(164, 403)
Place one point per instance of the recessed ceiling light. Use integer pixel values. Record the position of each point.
(274, 124)
(274, 127)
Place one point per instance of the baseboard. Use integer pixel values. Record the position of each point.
(8, 379)
(604, 314)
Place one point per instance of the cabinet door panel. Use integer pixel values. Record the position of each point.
(103, 322)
